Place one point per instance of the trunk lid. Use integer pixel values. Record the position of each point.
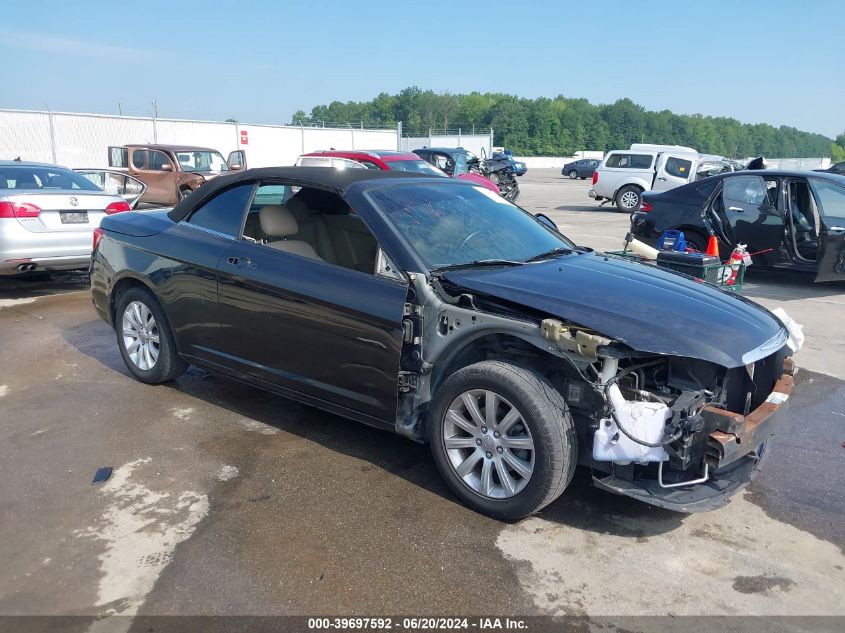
(63, 211)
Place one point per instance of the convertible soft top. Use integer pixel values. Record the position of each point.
(324, 177)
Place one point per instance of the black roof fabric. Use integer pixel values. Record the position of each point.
(325, 177)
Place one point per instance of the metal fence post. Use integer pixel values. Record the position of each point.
(301, 138)
(459, 137)
(52, 135)
(155, 130)
(399, 136)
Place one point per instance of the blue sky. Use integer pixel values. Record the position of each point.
(776, 62)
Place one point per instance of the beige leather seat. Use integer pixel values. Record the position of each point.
(277, 221)
(312, 228)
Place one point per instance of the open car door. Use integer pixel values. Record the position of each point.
(236, 160)
(830, 200)
(117, 183)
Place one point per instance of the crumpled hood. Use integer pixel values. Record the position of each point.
(648, 308)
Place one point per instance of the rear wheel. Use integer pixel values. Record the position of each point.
(144, 338)
(573, 174)
(628, 198)
(502, 438)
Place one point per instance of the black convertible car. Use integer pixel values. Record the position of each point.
(436, 309)
(794, 220)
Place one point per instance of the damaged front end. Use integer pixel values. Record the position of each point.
(679, 433)
(674, 431)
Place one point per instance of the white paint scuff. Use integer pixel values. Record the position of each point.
(140, 529)
(4, 389)
(227, 472)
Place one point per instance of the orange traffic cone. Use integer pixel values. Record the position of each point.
(713, 246)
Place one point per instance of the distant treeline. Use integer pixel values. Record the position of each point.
(562, 126)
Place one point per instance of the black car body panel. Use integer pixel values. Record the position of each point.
(375, 348)
(768, 227)
(697, 320)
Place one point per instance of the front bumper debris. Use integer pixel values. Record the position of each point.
(733, 455)
(736, 434)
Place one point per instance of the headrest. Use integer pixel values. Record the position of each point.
(277, 221)
(298, 206)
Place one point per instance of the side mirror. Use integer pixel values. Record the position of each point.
(547, 221)
(167, 167)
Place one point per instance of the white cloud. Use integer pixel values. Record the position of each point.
(34, 41)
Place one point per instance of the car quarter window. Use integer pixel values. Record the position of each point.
(224, 213)
(679, 167)
(315, 224)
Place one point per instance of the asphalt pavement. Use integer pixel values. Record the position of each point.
(229, 500)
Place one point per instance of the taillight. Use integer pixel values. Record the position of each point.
(645, 206)
(117, 207)
(98, 235)
(595, 177)
(19, 210)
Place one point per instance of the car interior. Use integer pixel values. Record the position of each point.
(802, 220)
(311, 223)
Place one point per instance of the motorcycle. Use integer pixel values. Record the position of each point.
(500, 172)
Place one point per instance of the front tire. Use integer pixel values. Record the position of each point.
(503, 439)
(144, 338)
(573, 175)
(628, 199)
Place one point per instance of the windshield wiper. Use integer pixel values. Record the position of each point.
(477, 263)
(549, 254)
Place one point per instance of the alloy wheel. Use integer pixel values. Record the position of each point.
(488, 444)
(630, 199)
(141, 335)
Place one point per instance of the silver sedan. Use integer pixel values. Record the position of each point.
(47, 217)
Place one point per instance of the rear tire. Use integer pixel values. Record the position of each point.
(512, 460)
(144, 338)
(628, 198)
(573, 175)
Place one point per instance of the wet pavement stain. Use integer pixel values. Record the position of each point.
(759, 584)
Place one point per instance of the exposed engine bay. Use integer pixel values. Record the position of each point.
(645, 421)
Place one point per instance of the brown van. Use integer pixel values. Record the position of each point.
(172, 172)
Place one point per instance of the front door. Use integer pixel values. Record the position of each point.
(830, 200)
(311, 323)
(672, 171)
(158, 172)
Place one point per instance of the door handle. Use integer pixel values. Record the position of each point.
(241, 262)
(837, 229)
(661, 178)
(738, 209)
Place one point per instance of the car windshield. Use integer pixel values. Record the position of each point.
(202, 161)
(456, 225)
(415, 166)
(37, 177)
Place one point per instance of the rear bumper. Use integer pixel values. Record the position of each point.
(592, 193)
(69, 262)
(733, 456)
(50, 250)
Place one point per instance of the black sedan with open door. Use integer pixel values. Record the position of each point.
(440, 311)
(794, 220)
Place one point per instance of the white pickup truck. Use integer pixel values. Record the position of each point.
(623, 175)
